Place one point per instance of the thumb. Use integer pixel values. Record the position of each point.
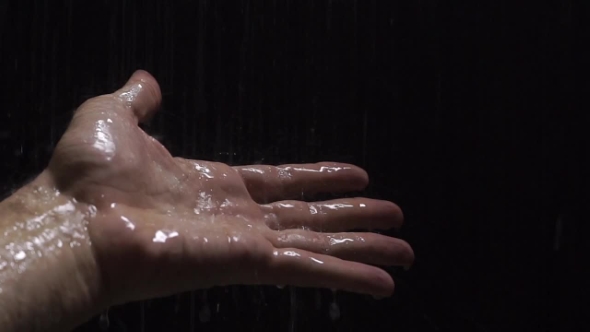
(141, 94)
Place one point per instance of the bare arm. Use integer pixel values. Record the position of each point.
(48, 275)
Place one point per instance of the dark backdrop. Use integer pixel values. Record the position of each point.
(462, 112)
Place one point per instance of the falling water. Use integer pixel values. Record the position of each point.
(205, 312)
(334, 310)
(103, 321)
(192, 312)
(293, 304)
(142, 316)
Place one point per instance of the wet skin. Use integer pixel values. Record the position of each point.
(137, 223)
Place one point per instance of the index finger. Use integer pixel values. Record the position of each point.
(267, 183)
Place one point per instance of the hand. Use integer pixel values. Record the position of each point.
(159, 225)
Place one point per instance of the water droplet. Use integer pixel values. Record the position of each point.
(128, 223)
(92, 210)
(161, 236)
(20, 255)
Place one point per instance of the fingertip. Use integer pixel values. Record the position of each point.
(358, 177)
(396, 214)
(363, 178)
(142, 94)
(385, 285)
(411, 257)
(408, 255)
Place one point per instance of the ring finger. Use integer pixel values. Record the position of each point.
(369, 248)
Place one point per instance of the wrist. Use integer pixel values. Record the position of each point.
(49, 278)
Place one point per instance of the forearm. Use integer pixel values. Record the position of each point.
(48, 276)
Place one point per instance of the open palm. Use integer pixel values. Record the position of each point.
(160, 225)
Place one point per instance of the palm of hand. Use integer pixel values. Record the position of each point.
(161, 224)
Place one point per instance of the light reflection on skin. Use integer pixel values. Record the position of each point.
(334, 241)
(291, 237)
(163, 236)
(253, 170)
(128, 223)
(326, 169)
(20, 256)
(285, 170)
(45, 234)
(318, 208)
(204, 171)
(337, 206)
(291, 253)
(313, 209)
(316, 260)
(130, 95)
(205, 203)
(92, 210)
(103, 139)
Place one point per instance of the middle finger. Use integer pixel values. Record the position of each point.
(333, 215)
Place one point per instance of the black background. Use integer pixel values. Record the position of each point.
(464, 113)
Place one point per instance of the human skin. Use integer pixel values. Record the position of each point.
(115, 218)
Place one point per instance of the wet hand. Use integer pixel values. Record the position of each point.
(159, 225)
